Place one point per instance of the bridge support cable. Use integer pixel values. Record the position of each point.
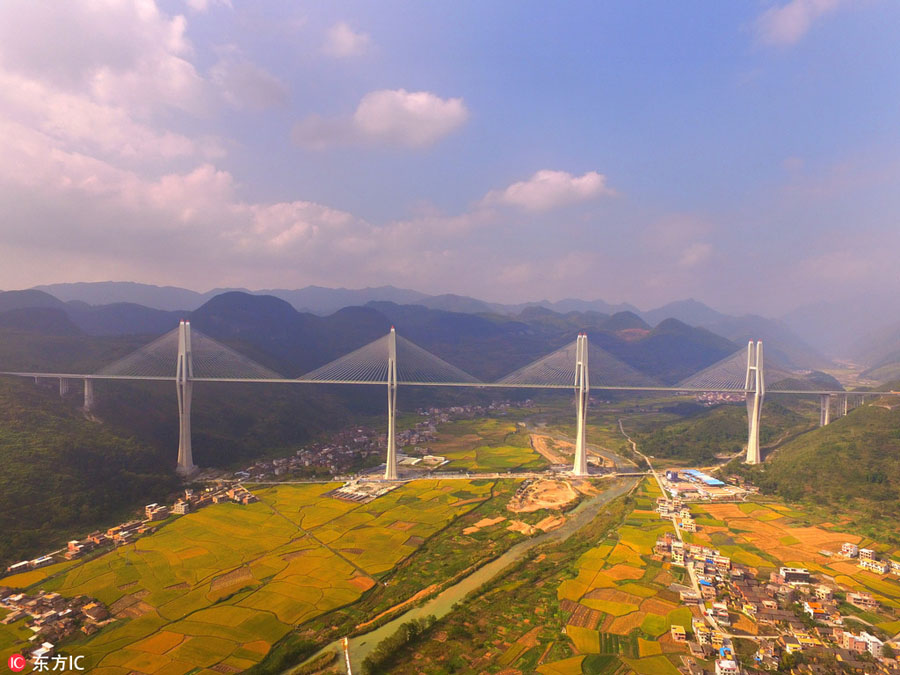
(390, 467)
(755, 386)
(582, 393)
(184, 373)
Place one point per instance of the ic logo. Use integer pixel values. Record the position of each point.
(17, 663)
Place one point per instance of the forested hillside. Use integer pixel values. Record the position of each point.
(700, 437)
(62, 473)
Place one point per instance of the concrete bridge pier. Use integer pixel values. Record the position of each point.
(824, 409)
(88, 395)
(582, 394)
(63, 386)
(755, 386)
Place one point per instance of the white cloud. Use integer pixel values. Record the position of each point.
(787, 24)
(246, 85)
(695, 254)
(201, 6)
(342, 42)
(389, 117)
(549, 189)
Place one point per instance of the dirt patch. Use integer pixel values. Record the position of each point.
(352, 551)
(414, 541)
(225, 668)
(746, 625)
(178, 587)
(614, 595)
(127, 601)
(363, 583)
(550, 523)
(585, 487)
(530, 639)
(542, 494)
(669, 646)
(128, 586)
(621, 572)
(295, 554)
(585, 617)
(240, 575)
(401, 525)
(550, 449)
(487, 522)
(135, 610)
(520, 527)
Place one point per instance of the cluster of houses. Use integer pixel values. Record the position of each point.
(346, 450)
(52, 617)
(804, 614)
(676, 510)
(869, 560)
(127, 532)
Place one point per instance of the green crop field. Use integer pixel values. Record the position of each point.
(486, 445)
(218, 587)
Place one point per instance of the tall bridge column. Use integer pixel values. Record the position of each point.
(582, 391)
(390, 469)
(845, 405)
(63, 386)
(88, 395)
(755, 386)
(824, 409)
(183, 382)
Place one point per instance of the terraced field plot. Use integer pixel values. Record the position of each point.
(486, 445)
(218, 587)
(620, 610)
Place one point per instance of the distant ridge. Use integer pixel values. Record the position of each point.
(780, 340)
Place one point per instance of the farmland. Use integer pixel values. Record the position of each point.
(219, 587)
(486, 445)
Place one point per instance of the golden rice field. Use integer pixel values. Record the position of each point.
(619, 579)
(216, 588)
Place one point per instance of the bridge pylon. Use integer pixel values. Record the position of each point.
(184, 375)
(755, 386)
(582, 392)
(63, 386)
(88, 395)
(824, 410)
(390, 469)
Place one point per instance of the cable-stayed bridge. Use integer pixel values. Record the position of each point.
(185, 356)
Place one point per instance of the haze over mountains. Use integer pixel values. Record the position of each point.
(807, 338)
(793, 346)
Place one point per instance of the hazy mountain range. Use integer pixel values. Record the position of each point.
(791, 345)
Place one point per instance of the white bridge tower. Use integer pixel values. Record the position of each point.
(390, 469)
(184, 375)
(582, 392)
(755, 386)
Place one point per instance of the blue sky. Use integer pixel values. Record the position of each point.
(743, 153)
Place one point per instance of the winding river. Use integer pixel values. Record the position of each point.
(441, 604)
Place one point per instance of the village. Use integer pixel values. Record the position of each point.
(792, 611)
(359, 448)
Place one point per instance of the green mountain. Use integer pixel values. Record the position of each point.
(63, 474)
(851, 465)
(705, 433)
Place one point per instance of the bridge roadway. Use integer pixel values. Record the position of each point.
(475, 385)
(376, 477)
